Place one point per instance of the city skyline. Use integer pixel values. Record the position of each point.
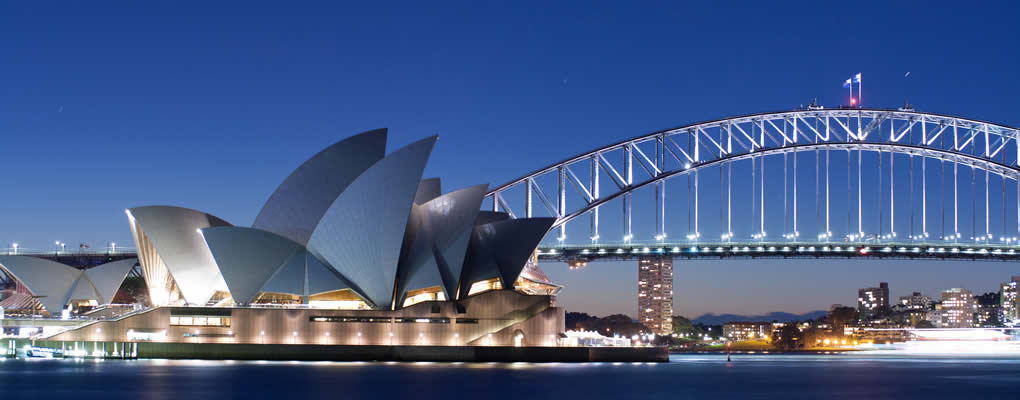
(72, 130)
(704, 294)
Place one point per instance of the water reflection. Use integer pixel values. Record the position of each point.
(858, 375)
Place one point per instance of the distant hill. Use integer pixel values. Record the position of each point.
(719, 319)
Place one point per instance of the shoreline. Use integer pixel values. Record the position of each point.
(320, 352)
(756, 352)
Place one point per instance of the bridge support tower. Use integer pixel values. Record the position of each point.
(655, 293)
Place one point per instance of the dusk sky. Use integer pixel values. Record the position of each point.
(210, 105)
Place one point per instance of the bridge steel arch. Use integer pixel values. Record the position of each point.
(688, 150)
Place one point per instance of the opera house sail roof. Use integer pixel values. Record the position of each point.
(351, 227)
(54, 285)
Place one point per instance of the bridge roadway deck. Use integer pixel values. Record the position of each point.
(705, 250)
(848, 250)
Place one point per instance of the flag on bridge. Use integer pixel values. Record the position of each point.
(860, 88)
(847, 83)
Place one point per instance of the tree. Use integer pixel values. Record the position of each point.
(684, 327)
(925, 324)
(840, 317)
(882, 312)
(617, 324)
(988, 299)
(572, 318)
(787, 338)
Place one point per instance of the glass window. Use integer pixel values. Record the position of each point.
(200, 321)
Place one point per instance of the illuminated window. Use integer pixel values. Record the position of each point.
(349, 319)
(485, 286)
(200, 321)
(423, 320)
(343, 299)
(199, 318)
(434, 293)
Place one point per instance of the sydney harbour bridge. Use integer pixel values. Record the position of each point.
(846, 182)
(812, 183)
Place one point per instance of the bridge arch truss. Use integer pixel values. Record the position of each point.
(922, 143)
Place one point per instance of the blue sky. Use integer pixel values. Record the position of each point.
(110, 105)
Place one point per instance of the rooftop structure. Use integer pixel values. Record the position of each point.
(50, 285)
(351, 228)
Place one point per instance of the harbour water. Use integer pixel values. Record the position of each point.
(786, 376)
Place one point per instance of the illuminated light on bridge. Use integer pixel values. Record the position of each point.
(842, 183)
(921, 171)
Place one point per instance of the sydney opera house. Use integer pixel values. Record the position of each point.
(354, 247)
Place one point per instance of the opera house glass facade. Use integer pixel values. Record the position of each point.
(354, 247)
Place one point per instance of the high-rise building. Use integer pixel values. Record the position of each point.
(957, 308)
(655, 293)
(869, 300)
(1008, 300)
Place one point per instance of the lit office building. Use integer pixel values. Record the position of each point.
(747, 330)
(655, 293)
(916, 301)
(987, 315)
(1008, 301)
(869, 300)
(957, 308)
